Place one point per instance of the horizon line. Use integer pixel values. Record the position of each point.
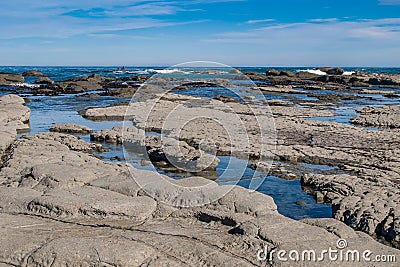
(233, 66)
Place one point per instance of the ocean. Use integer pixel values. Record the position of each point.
(59, 73)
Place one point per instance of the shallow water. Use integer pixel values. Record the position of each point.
(47, 110)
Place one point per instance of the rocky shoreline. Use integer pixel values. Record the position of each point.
(62, 205)
(369, 158)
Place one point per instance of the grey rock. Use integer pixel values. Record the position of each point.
(387, 117)
(272, 72)
(116, 113)
(14, 118)
(109, 136)
(9, 78)
(332, 71)
(70, 128)
(63, 216)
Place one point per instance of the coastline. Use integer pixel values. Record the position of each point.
(363, 191)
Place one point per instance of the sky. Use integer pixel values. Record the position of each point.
(232, 32)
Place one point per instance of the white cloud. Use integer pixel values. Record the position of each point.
(259, 21)
(342, 43)
(319, 31)
(324, 20)
(389, 2)
(60, 19)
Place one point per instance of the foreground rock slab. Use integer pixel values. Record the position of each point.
(62, 206)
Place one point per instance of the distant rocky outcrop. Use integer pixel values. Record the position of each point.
(272, 72)
(332, 71)
(44, 80)
(9, 78)
(33, 73)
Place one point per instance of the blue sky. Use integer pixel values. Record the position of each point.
(233, 32)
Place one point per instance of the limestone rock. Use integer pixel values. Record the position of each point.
(70, 128)
(388, 117)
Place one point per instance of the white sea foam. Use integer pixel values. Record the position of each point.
(29, 85)
(167, 71)
(318, 72)
(349, 72)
